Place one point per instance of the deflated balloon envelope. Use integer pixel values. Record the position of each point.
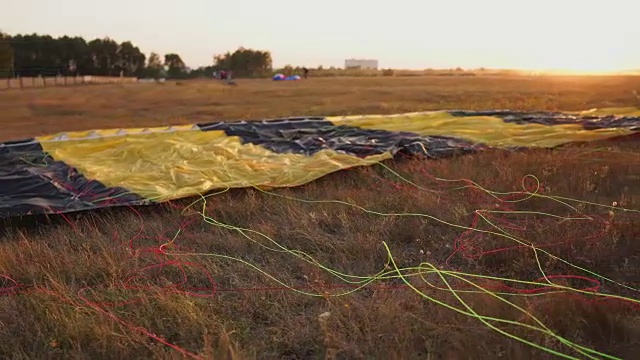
(86, 170)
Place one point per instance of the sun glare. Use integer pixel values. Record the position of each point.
(580, 61)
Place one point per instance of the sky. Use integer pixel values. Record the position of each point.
(581, 35)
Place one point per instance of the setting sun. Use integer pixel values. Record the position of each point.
(538, 35)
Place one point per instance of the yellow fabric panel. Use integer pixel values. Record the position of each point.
(479, 129)
(163, 166)
(627, 111)
(111, 132)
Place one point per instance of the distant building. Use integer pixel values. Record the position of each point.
(361, 64)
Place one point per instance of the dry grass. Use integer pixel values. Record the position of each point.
(42, 111)
(81, 302)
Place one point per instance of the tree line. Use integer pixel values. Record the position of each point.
(34, 55)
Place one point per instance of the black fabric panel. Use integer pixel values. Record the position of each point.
(556, 118)
(32, 182)
(310, 135)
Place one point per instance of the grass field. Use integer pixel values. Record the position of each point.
(42, 111)
(99, 285)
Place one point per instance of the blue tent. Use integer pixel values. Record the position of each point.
(280, 77)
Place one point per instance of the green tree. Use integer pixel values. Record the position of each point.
(30, 55)
(104, 53)
(6, 56)
(74, 57)
(245, 62)
(175, 66)
(288, 70)
(202, 72)
(155, 67)
(35, 55)
(131, 59)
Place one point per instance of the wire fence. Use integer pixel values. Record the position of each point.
(50, 81)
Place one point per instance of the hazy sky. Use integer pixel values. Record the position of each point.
(533, 34)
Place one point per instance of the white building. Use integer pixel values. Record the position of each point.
(361, 64)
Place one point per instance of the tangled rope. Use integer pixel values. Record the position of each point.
(503, 221)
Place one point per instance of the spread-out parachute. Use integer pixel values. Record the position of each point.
(85, 170)
(281, 77)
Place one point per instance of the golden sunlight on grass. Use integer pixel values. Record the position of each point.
(42, 111)
(107, 284)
